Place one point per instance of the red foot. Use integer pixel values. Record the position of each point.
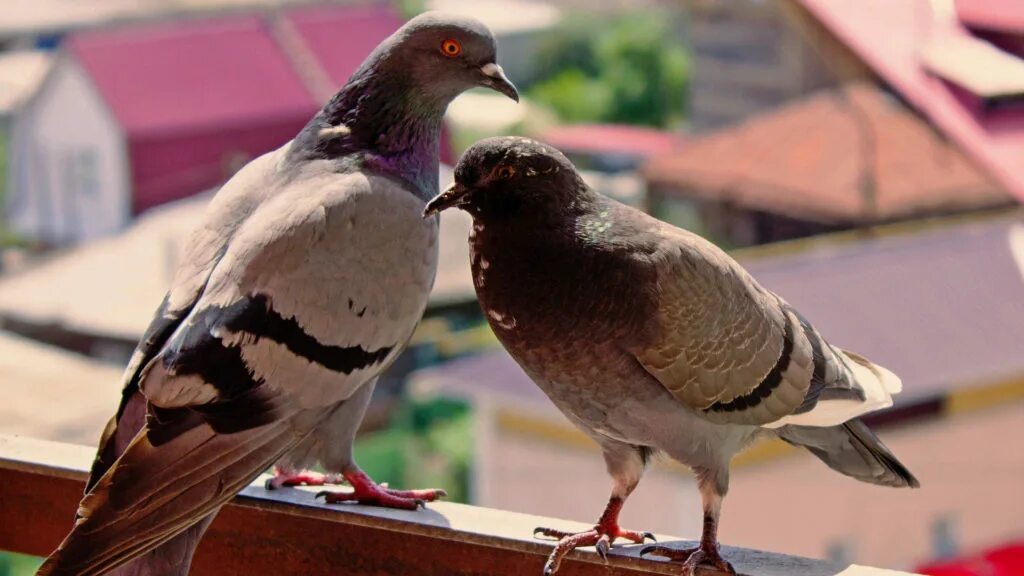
(300, 478)
(601, 536)
(706, 556)
(366, 491)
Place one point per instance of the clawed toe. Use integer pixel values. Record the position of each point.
(674, 554)
(603, 546)
(550, 533)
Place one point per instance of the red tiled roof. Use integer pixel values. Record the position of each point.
(806, 160)
(611, 139)
(1004, 15)
(995, 139)
(183, 75)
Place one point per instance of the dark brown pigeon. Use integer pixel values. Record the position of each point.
(305, 280)
(652, 340)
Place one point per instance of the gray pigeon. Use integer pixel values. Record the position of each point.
(305, 280)
(652, 340)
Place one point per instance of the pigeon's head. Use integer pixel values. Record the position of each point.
(499, 177)
(446, 55)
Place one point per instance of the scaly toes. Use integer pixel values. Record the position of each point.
(566, 544)
(636, 537)
(428, 495)
(382, 499)
(713, 559)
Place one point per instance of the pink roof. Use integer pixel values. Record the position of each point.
(176, 76)
(341, 37)
(1003, 15)
(994, 139)
(196, 98)
(611, 139)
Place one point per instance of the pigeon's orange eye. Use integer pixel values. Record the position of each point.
(506, 172)
(451, 48)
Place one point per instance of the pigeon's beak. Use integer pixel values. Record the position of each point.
(453, 197)
(495, 79)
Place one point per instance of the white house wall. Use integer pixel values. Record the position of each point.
(69, 179)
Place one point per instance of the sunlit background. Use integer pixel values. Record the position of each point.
(863, 158)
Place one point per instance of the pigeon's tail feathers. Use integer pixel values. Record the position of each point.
(172, 558)
(872, 389)
(160, 487)
(854, 450)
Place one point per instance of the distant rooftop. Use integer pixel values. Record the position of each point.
(236, 71)
(1000, 15)
(195, 98)
(34, 375)
(21, 73)
(994, 138)
(807, 160)
(28, 17)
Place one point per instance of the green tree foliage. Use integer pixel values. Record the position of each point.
(632, 70)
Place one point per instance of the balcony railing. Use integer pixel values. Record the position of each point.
(287, 532)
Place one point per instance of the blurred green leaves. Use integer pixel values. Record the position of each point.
(12, 564)
(428, 445)
(631, 70)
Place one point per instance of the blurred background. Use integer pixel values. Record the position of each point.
(863, 158)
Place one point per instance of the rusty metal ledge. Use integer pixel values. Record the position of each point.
(287, 532)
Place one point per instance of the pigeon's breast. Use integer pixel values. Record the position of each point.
(361, 283)
(540, 290)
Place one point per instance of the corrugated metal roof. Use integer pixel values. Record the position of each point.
(808, 160)
(943, 308)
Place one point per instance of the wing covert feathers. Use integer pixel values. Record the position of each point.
(739, 354)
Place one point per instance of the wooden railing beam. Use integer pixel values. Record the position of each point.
(288, 532)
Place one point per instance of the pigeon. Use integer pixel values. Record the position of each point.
(652, 340)
(304, 281)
